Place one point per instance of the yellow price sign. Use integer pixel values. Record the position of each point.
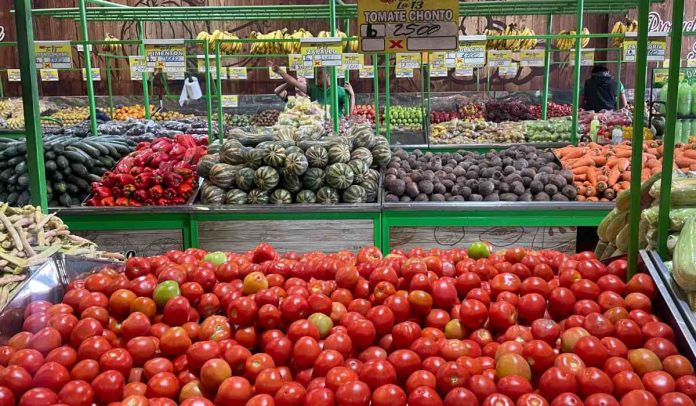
(508, 72)
(691, 63)
(630, 49)
(408, 60)
(138, 66)
(438, 66)
(14, 75)
(49, 75)
(499, 57)
(657, 50)
(211, 65)
(353, 61)
(167, 57)
(230, 101)
(403, 72)
(587, 57)
(367, 72)
(53, 56)
(276, 76)
(322, 54)
(532, 57)
(96, 74)
(472, 54)
(237, 73)
(394, 26)
(295, 62)
(464, 72)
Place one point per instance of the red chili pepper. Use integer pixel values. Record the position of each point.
(107, 201)
(156, 191)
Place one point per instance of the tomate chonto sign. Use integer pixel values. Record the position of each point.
(399, 26)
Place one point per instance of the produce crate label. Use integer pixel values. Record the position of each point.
(408, 60)
(322, 54)
(169, 58)
(508, 72)
(657, 49)
(14, 75)
(137, 67)
(630, 48)
(237, 73)
(399, 25)
(49, 75)
(532, 57)
(353, 61)
(438, 68)
(587, 57)
(200, 62)
(367, 72)
(499, 57)
(275, 76)
(403, 72)
(472, 54)
(96, 74)
(230, 100)
(464, 71)
(55, 56)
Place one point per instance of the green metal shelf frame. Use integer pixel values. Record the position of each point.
(507, 215)
(107, 11)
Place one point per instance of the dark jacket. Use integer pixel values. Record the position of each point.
(600, 92)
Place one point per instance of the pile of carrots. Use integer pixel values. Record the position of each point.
(600, 172)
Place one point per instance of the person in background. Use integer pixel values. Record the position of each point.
(600, 91)
(282, 90)
(318, 90)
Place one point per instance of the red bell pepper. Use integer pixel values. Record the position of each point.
(156, 191)
(107, 201)
(172, 179)
(123, 201)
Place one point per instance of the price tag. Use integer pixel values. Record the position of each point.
(96, 74)
(49, 75)
(403, 72)
(398, 26)
(508, 72)
(472, 54)
(532, 57)
(630, 49)
(170, 58)
(408, 60)
(53, 55)
(587, 57)
(438, 69)
(237, 73)
(230, 100)
(657, 49)
(276, 76)
(464, 72)
(295, 62)
(14, 75)
(322, 54)
(367, 72)
(137, 67)
(200, 62)
(660, 76)
(353, 61)
(450, 59)
(80, 48)
(498, 58)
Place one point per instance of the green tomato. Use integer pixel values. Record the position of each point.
(322, 322)
(216, 258)
(165, 291)
(478, 250)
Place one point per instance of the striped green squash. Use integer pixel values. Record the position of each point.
(236, 196)
(275, 156)
(306, 197)
(339, 153)
(296, 163)
(354, 194)
(257, 196)
(317, 156)
(291, 182)
(245, 179)
(266, 178)
(339, 176)
(313, 179)
(363, 154)
(360, 169)
(280, 196)
(327, 195)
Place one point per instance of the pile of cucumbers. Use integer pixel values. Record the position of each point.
(72, 164)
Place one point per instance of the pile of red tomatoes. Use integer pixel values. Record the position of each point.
(417, 328)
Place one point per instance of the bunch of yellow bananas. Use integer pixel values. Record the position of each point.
(111, 48)
(217, 35)
(352, 45)
(266, 47)
(510, 44)
(294, 47)
(569, 43)
(621, 27)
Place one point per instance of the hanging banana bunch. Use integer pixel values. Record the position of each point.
(569, 42)
(229, 48)
(510, 44)
(621, 27)
(268, 47)
(294, 47)
(111, 48)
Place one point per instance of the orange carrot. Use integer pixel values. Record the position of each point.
(613, 177)
(623, 164)
(690, 153)
(592, 176)
(684, 161)
(626, 176)
(599, 160)
(583, 162)
(623, 153)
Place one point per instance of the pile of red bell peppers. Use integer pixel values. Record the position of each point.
(157, 173)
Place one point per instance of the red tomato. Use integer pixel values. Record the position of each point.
(638, 397)
(108, 387)
(424, 396)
